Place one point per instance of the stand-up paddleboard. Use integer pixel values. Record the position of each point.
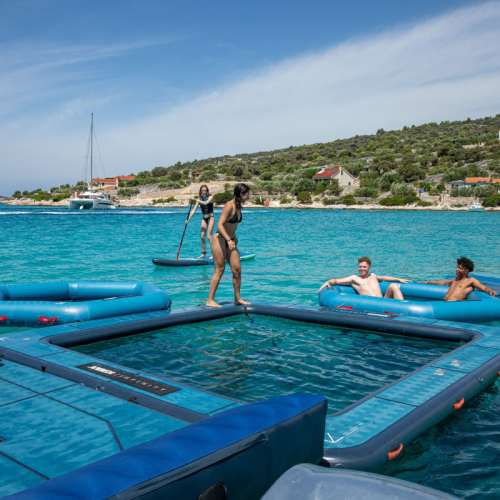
(196, 262)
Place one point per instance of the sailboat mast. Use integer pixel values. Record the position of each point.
(91, 147)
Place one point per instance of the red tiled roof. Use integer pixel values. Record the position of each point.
(495, 181)
(329, 172)
(477, 179)
(113, 179)
(196, 173)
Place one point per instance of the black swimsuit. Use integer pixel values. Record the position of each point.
(208, 209)
(233, 220)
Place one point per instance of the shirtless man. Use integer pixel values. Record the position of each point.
(462, 285)
(367, 284)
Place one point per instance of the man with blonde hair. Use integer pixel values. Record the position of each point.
(368, 283)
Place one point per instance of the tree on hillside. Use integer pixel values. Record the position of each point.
(238, 170)
(303, 185)
(411, 172)
(208, 175)
(159, 172)
(388, 179)
(267, 176)
(401, 190)
(369, 179)
(383, 163)
(335, 188)
(309, 173)
(345, 153)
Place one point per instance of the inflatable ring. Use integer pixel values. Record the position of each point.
(421, 301)
(39, 304)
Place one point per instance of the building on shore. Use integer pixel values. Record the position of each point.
(337, 172)
(111, 182)
(471, 182)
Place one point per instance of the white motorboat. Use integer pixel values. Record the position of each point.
(475, 206)
(91, 200)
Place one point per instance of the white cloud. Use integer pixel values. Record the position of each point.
(445, 68)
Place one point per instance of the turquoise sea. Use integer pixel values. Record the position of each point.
(296, 253)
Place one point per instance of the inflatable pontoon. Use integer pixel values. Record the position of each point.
(420, 301)
(57, 303)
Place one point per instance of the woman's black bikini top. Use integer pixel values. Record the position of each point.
(208, 208)
(234, 219)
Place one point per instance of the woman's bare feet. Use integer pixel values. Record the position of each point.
(212, 303)
(241, 302)
(203, 255)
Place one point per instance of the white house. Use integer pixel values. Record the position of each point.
(335, 172)
(111, 182)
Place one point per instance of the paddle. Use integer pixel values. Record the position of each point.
(184, 232)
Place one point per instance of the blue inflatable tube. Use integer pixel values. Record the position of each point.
(236, 454)
(421, 301)
(41, 304)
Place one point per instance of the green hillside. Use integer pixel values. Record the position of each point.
(427, 155)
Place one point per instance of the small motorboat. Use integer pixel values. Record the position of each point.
(475, 206)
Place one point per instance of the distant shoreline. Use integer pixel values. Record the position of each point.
(288, 206)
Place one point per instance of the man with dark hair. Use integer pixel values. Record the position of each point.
(367, 283)
(462, 285)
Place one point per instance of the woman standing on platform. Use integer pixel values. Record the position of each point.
(224, 245)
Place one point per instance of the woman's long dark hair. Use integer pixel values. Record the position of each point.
(204, 186)
(239, 191)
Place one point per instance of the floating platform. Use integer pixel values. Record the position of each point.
(61, 302)
(98, 430)
(196, 262)
(420, 301)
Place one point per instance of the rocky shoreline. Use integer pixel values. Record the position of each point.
(273, 205)
(183, 195)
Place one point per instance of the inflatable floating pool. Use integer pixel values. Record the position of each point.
(43, 304)
(114, 432)
(196, 262)
(421, 301)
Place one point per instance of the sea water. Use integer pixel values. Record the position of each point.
(296, 253)
(261, 357)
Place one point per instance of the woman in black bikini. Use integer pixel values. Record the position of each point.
(224, 245)
(206, 203)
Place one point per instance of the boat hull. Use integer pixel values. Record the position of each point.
(91, 205)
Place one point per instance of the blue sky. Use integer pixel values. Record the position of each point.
(172, 81)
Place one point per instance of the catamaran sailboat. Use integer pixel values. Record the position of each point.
(90, 200)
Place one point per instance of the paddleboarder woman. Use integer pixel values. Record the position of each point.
(224, 243)
(206, 203)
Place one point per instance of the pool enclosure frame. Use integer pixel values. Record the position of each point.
(362, 436)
